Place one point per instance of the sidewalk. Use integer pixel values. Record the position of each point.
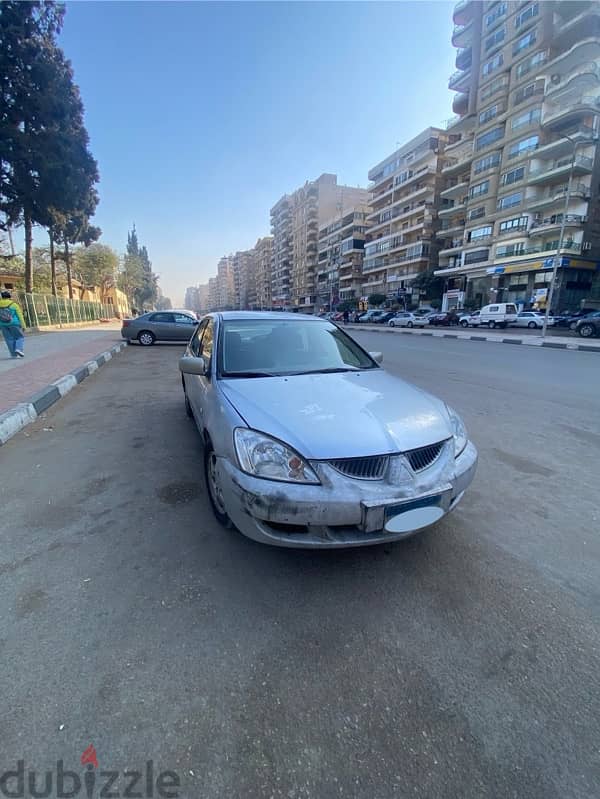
(510, 336)
(48, 357)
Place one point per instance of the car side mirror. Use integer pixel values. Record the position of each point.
(377, 356)
(189, 365)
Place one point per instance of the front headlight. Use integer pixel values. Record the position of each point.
(459, 431)
(263, 456)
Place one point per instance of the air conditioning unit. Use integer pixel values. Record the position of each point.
(555, 78)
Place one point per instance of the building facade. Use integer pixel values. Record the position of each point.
(262, 266)
(405, 198)
(225, 285)
(524, 159)
(295, 223)
(341, 252)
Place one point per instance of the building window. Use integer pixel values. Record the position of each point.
(528, 91)
(528, 13)
(479, 188)
(510, 200)
(523, 146)
(527, 118)
(524, 42)
(513, 176)
(487, 162)
(489, 113)
(492, 88)
(476, 213)
(516, 223)
(493, 64)
(495, 14)
(480, 232)
(496, 38)
(489, 138)
(508, 250)
(530, 63)
(476, 257)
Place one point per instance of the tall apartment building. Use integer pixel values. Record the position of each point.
(341, 251)
(225, 287)
(213, 294)
(295, 223)
(203, 298)
(242, 279)
(529, 98)
(192, 300)
(404, 201)
(262, 256)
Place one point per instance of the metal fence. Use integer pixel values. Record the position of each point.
(42, 310)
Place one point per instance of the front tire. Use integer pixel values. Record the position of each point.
(532, 325)
(215, 493)
(146, 338)
(464, 323)
(391, 324)
(491, 325)
(409, 324)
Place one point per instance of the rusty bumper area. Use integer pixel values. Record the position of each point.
(341, 512)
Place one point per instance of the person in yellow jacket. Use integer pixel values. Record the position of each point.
(12, 324)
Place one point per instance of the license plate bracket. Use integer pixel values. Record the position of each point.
(377, 514)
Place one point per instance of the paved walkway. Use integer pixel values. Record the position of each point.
(49, 356)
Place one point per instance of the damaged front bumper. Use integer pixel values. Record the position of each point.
(341, 511)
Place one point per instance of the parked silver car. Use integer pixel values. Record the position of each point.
(309, 443)
(407, 319)
(160, 326)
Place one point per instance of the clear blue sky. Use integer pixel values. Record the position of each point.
(201, 115)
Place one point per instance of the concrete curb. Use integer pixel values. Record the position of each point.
(25, 413)
(529, 341)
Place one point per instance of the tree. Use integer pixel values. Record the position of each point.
(130, 277)
(429, 283)
(96, 265)
(376, 299)
(163, 304)
(137, 279)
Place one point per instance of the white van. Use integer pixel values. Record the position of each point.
(501, 314)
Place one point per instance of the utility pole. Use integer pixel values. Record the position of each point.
(558, 257)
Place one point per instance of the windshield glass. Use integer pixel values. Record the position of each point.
(267, 347)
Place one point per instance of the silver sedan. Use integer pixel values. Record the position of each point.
(309, 443)
(160, 326)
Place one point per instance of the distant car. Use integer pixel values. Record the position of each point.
(498, 314)
(470, 319)
(444, 319)
(589, 325)
(570, 319)
(531, 319)
(385, 318)
(160, 326)
(407, 319)
(370, 316)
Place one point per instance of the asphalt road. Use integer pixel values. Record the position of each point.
(461, 663)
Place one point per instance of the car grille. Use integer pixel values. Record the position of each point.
(362, 468)
(423, 457)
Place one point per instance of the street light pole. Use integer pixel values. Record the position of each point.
(557, 257)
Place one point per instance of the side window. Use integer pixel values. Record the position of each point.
(162, 317)
(182, 318)
(196, 339)
(207, 341)
(493, 309)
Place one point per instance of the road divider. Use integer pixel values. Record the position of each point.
(24, 413)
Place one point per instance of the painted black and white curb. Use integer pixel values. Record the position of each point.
(25, 413)
(530, 341)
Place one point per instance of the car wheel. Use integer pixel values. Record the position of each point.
(532, 325)
(572, 325)
(215, 493)
(464, 323)
(491, 324)
(409, 324)
(146, 338)
(586, 331)
(392, 324)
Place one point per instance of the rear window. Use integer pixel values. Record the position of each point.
(511, 309)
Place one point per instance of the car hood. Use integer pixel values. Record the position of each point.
(345, 415)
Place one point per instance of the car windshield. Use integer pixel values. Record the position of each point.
(269, 347)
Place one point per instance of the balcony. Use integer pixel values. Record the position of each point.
(456, 245)
(461, 35)
(463, 12)
(578, 66)
(579, 191)
(460, 80)
(576, 27)
(460, 104)
(560, 169)
(451, 210)
(464, 58)
(456, 190)
(556, 114)
(554, 222)
(562, 146)
(450, 226)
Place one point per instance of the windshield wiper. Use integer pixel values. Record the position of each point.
(330, 370)
(250, 374)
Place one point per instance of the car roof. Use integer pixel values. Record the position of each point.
(286, 315)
